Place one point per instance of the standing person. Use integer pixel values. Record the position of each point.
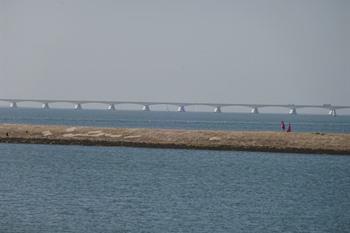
(283, 126)
(289, 128)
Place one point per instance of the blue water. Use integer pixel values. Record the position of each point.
(46, 188)
(188, 120)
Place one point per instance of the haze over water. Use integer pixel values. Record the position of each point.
(256, 51)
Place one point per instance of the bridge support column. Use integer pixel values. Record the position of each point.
(78, 106)
(111, 107)
(146, 108)
(255, 110)
(45, 106)
(217, 109)
(293, 111)
(181, 109)
(13, 105)
(332, 112)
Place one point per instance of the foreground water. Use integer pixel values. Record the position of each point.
(97, 189)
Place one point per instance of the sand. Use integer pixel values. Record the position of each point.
(264, 141)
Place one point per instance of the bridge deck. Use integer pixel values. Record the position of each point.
(150, 103)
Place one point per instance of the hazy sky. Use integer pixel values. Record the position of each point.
(258, 51)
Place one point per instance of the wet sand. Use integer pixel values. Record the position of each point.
(316, 143)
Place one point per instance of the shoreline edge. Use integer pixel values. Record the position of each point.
(263, 141)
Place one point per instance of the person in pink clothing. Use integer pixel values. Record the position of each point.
(283, 126)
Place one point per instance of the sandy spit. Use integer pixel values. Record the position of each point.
(317, 143)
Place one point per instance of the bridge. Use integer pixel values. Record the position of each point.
(181, 106)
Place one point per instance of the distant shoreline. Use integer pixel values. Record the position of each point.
(264, 141)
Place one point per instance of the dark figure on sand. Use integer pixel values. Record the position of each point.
(289, 128)
(283, 126)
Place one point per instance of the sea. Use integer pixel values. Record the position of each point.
(83, 189)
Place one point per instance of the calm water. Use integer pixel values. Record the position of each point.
(99, 189)
(188, 120)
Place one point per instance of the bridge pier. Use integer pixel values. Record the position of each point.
(146, 108)
(78, 106)
(13, 105)
(111, 107)
(332, 112)
(181, 108)
(293, 111)
(255, 110)
(45, 106)
(217, 109)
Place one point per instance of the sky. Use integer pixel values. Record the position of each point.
(229, 51)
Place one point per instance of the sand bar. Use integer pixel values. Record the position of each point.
(317, 143)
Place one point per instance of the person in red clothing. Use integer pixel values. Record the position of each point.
(289, 128)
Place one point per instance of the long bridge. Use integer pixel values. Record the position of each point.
(181, 106)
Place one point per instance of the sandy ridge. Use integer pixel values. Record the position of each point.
(329, 143)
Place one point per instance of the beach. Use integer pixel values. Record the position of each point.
(263, 141)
